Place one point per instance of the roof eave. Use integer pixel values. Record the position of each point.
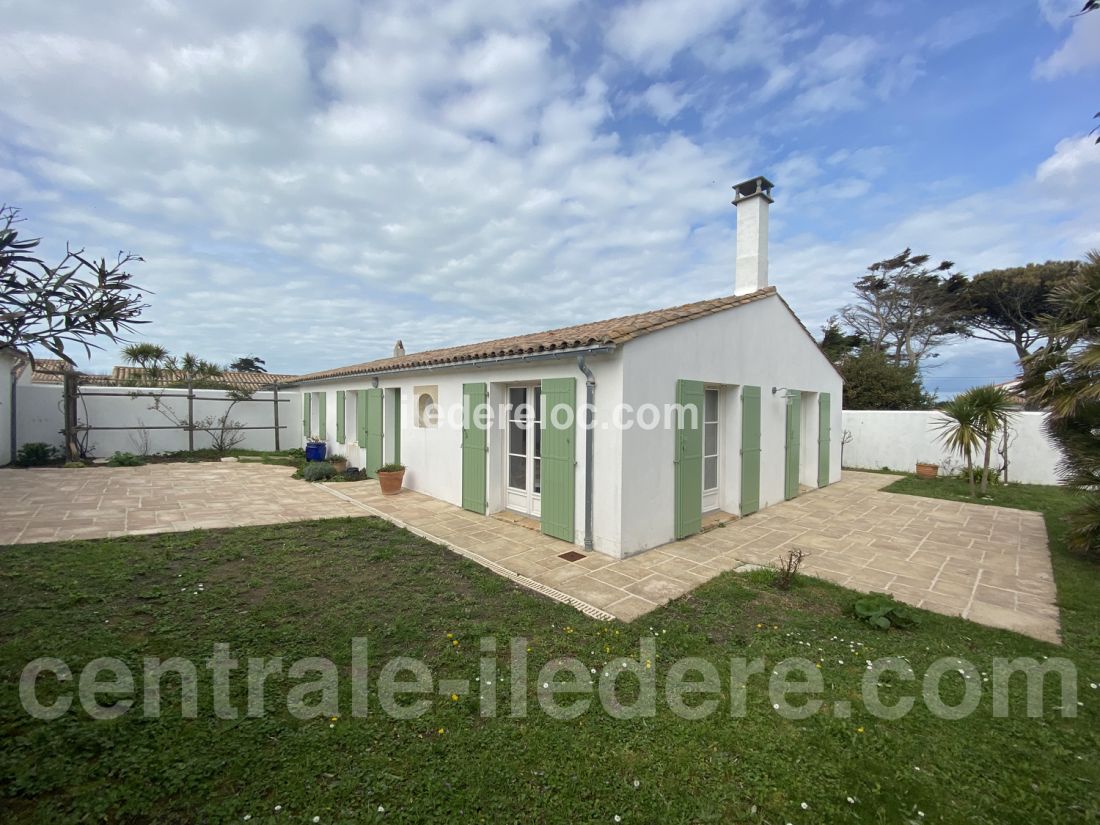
(477, 363)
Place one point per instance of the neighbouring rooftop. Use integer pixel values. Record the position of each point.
(51, 370)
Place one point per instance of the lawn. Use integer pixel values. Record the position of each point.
(307, 589)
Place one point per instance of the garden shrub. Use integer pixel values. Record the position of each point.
(36, 454)
(318, 471)
(121, 459)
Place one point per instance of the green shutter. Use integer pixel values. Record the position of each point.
(322, 415)
(688, 467)
(824, 439)
(340, 435)
(750, 450)
(397, 426)
(558, 457)
(794, 443)
(475, 445)
(361, 418)
(375, 398)
(306, 432)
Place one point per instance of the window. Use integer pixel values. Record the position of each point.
(710, 443)
(427, 406)
(524, 457)
(351, 426)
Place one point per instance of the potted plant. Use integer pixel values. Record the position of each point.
(390, 478)
(339, 462)
(926, 469)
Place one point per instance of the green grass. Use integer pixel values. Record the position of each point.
(307, 589)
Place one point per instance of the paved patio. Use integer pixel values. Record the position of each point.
(988, 564)
(103, 502)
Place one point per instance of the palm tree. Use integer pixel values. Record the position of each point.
(158, 366)
(993, 408)
(1064, 378)
(144, 355)
(958, 430)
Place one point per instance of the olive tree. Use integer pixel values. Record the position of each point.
(59, 306)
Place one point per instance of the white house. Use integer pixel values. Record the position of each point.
(725, 404)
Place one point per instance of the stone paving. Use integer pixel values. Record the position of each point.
(103, 502)
(988, 564)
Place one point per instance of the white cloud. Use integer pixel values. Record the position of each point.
(664, 100)
(1047, 214)
(450, 177)
(798, 171)
(1059, 12)
(1080, 50)
(439, 164)
(650, 33)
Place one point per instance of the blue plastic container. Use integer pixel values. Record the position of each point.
(315, 451)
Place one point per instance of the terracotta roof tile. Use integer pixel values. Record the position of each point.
(613, 331)
(50, 371)
(243, 380)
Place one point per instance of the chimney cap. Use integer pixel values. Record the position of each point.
(754, 186)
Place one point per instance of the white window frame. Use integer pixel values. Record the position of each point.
(712, 497)
(527, 501)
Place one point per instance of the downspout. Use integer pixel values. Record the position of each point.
(589, 446)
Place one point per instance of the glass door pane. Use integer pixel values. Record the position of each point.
(517, 438)
(517, 472)
(710, 440)
(536, 406)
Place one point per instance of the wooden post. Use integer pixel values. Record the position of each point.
(72, 441)
(275, 393)
(190, 416)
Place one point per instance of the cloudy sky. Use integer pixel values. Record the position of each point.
(309, 181)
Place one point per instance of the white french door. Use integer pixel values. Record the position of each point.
(711, 449)
(523, 471)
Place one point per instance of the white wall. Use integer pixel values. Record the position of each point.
(433, 456)
(37, 411)
(7, 363)
(897, 440)
(759, 344)
(39, 418)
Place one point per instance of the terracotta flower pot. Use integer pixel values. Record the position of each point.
(391, 482)
(927, 470)
(340, 464)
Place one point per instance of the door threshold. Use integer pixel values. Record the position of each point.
(519, 519)
(716, 518)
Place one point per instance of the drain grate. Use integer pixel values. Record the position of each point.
(572, 555)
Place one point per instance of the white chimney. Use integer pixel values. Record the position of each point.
(752, 200)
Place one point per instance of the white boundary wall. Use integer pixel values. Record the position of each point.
(7, 363)
(897, 440)
(39, 418)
